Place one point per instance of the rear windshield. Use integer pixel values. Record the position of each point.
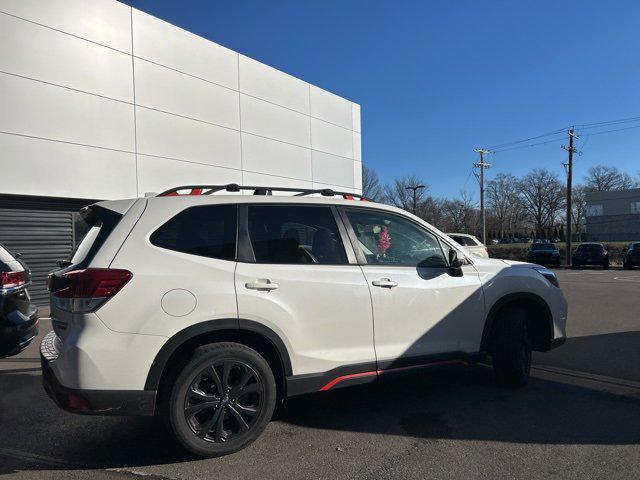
(464, 241)
(543, 246)
(98, 222)
(590, 248)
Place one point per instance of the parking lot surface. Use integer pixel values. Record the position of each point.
(578, 418)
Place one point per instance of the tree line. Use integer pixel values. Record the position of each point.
(533, 205)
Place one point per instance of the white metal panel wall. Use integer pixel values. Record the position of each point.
(100, 98)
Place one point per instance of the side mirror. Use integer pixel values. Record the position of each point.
(63, 263)
(455, 264)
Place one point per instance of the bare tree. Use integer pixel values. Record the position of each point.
(579, 208)
(503, 201)
(397, 195)
(461, 214)
(603, 178)
(371, 184)
(543, 196)
(431, 209)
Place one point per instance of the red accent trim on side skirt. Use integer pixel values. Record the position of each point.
(342, 378)
(337, 380)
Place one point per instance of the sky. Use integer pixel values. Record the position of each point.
(435, 79)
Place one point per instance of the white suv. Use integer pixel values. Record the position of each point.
(207, 310)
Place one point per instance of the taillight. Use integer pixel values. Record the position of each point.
(88, 289)
(12, 279)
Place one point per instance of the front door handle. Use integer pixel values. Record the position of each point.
(384, 283)
(262, 284)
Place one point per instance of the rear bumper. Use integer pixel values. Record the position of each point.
(16, 337)
(90, 402)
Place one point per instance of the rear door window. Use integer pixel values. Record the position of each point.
(291, 234)
(207, 231)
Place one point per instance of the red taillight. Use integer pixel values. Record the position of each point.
(94, 282)
(12, 279)
(87, 290)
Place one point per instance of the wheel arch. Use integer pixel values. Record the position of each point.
(535, 304)
(247, 332)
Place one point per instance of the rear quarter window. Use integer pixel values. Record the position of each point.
(207, 231)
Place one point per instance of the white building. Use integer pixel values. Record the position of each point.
(99, 100)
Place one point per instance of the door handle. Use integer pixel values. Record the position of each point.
(262, 284)
(384, 283)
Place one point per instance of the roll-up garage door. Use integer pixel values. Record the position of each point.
(42, 231)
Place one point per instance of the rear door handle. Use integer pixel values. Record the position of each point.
(384, 283)
(262, 284)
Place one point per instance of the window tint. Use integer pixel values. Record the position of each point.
(295, 234)
(208, 231)
(389, 239)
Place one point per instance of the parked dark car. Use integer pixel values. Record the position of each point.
(18, 316)
(632, 256)
(544, 254)
(590, 254)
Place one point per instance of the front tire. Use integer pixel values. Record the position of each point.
(221, 400)
(511, 348)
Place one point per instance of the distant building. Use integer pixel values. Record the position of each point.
(613, 216)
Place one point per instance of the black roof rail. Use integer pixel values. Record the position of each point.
(257, 190)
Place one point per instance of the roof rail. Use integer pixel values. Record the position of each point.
(257, 190)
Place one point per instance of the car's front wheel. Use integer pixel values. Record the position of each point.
(221, 400)
(511, 347)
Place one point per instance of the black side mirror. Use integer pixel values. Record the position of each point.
(63, 263)
(455, 264)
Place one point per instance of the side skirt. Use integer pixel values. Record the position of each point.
(358, 374)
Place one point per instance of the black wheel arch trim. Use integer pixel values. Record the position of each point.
(505, 300)
(211, 326)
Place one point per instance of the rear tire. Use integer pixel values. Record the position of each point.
(220, 401)
(511, 348)
(605, 266)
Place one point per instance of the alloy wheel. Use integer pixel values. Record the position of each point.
(224, 400)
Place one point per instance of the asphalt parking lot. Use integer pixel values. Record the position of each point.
(578, 418)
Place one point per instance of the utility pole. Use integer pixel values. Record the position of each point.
(482, 165)
(415, 189)
(569, 165)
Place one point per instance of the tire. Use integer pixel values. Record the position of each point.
(511, 348)
(234, 416)
(605, 266)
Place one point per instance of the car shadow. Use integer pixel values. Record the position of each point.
(449, 402)
(612, 354)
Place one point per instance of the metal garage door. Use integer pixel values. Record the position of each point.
(42, 237)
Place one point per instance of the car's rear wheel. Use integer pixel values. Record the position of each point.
(511, 348)
(605, 265)
(221, 400)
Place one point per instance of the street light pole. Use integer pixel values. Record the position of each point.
(415, 189)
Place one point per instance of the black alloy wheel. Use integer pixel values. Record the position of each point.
(219, 400)
(224, 400)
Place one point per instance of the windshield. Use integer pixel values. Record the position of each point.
(590, 248)
(543, 246)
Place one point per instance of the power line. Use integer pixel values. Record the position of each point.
(530, 145)
(609, 131)
(609, 122)
(526, 139)
(583, 126)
